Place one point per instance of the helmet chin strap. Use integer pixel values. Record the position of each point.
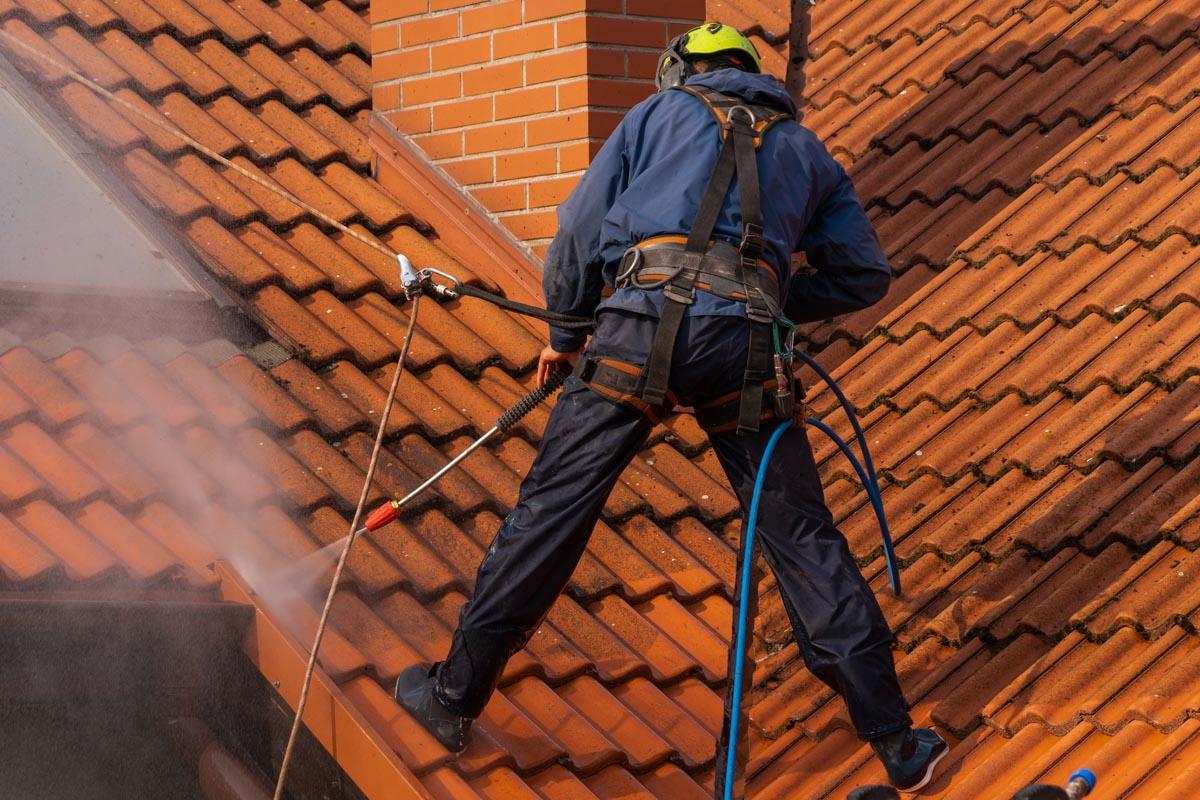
(673, 69)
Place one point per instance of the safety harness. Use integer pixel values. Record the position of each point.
(682, 265)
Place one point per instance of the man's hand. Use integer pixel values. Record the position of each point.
(551, 360)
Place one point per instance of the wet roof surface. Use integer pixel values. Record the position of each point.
(1029, 388)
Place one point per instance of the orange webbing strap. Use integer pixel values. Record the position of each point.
(618, 381)
(722, 414)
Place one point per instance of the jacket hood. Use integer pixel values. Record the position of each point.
(750, 86)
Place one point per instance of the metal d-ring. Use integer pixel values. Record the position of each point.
(749, 113)
(627, 273)
(445, 291)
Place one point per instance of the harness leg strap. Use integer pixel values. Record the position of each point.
(658, 365)
(750, 407)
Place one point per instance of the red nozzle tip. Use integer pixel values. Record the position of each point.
(380, 517)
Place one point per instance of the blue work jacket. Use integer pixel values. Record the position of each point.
(648, 179)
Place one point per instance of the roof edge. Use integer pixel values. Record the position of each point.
(329, 715)
(463, 225)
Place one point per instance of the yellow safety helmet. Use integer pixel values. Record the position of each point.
(709, 39)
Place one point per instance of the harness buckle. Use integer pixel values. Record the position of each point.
(673, 292)
(761, 314)
(753, 243)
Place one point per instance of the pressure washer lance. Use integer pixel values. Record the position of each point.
(390, 510)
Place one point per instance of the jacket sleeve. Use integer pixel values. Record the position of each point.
(849, 270)
(572, 273)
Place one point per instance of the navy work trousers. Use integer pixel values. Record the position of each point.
(589, 440)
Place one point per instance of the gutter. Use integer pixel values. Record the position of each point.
(330, 717)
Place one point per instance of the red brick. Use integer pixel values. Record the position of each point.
(577, 155)
(551, 192)
(604, 62)
(385, 10)
(558, 128)
(540, 250)
(525, 102)
(471, 171)
(384, 38)
(526, 164)
(572, 30)
(400, 65)
(441, 145)
(461, 53)
(441, 5)
(626, 32)
(618, 93)
(546, 9)
(670, 9)
(429, 29)
(419, 91)
(533, 225)
(491, 16)
(601, 124)
(462, 112)
(494, 78)
(573, 94)
(385, 97)
(527, 39)
(410, 122)
(676, 28)
(556, 66)
(642, 65)
(510, 197)
(508, 136)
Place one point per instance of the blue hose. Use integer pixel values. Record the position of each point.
(866, 471)
(869, 482)
(744, 602)
(876, 501)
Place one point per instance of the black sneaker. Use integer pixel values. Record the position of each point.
(414, 693)
(910, 756)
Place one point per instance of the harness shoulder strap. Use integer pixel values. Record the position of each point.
(741, 127)
(719, 104)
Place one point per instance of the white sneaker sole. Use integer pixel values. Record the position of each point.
(929, 769)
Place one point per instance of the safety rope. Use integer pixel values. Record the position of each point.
(200, 147)
(341, 564)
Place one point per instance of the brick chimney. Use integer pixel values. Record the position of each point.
(512, 98)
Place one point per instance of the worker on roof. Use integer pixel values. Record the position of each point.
(679, 238)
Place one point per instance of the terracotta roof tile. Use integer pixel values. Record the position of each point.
(231, 26)
(296, 88)
(82, 557)
(45, 12)
(23, 560)
(1026, 388)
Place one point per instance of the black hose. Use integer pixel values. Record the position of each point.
(531, 400)
(564, 321)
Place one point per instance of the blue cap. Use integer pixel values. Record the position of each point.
(1085, 775)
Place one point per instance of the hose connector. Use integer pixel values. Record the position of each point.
(410, 279)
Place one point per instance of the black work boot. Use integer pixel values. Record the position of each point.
(910, 756)
(414, 693)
